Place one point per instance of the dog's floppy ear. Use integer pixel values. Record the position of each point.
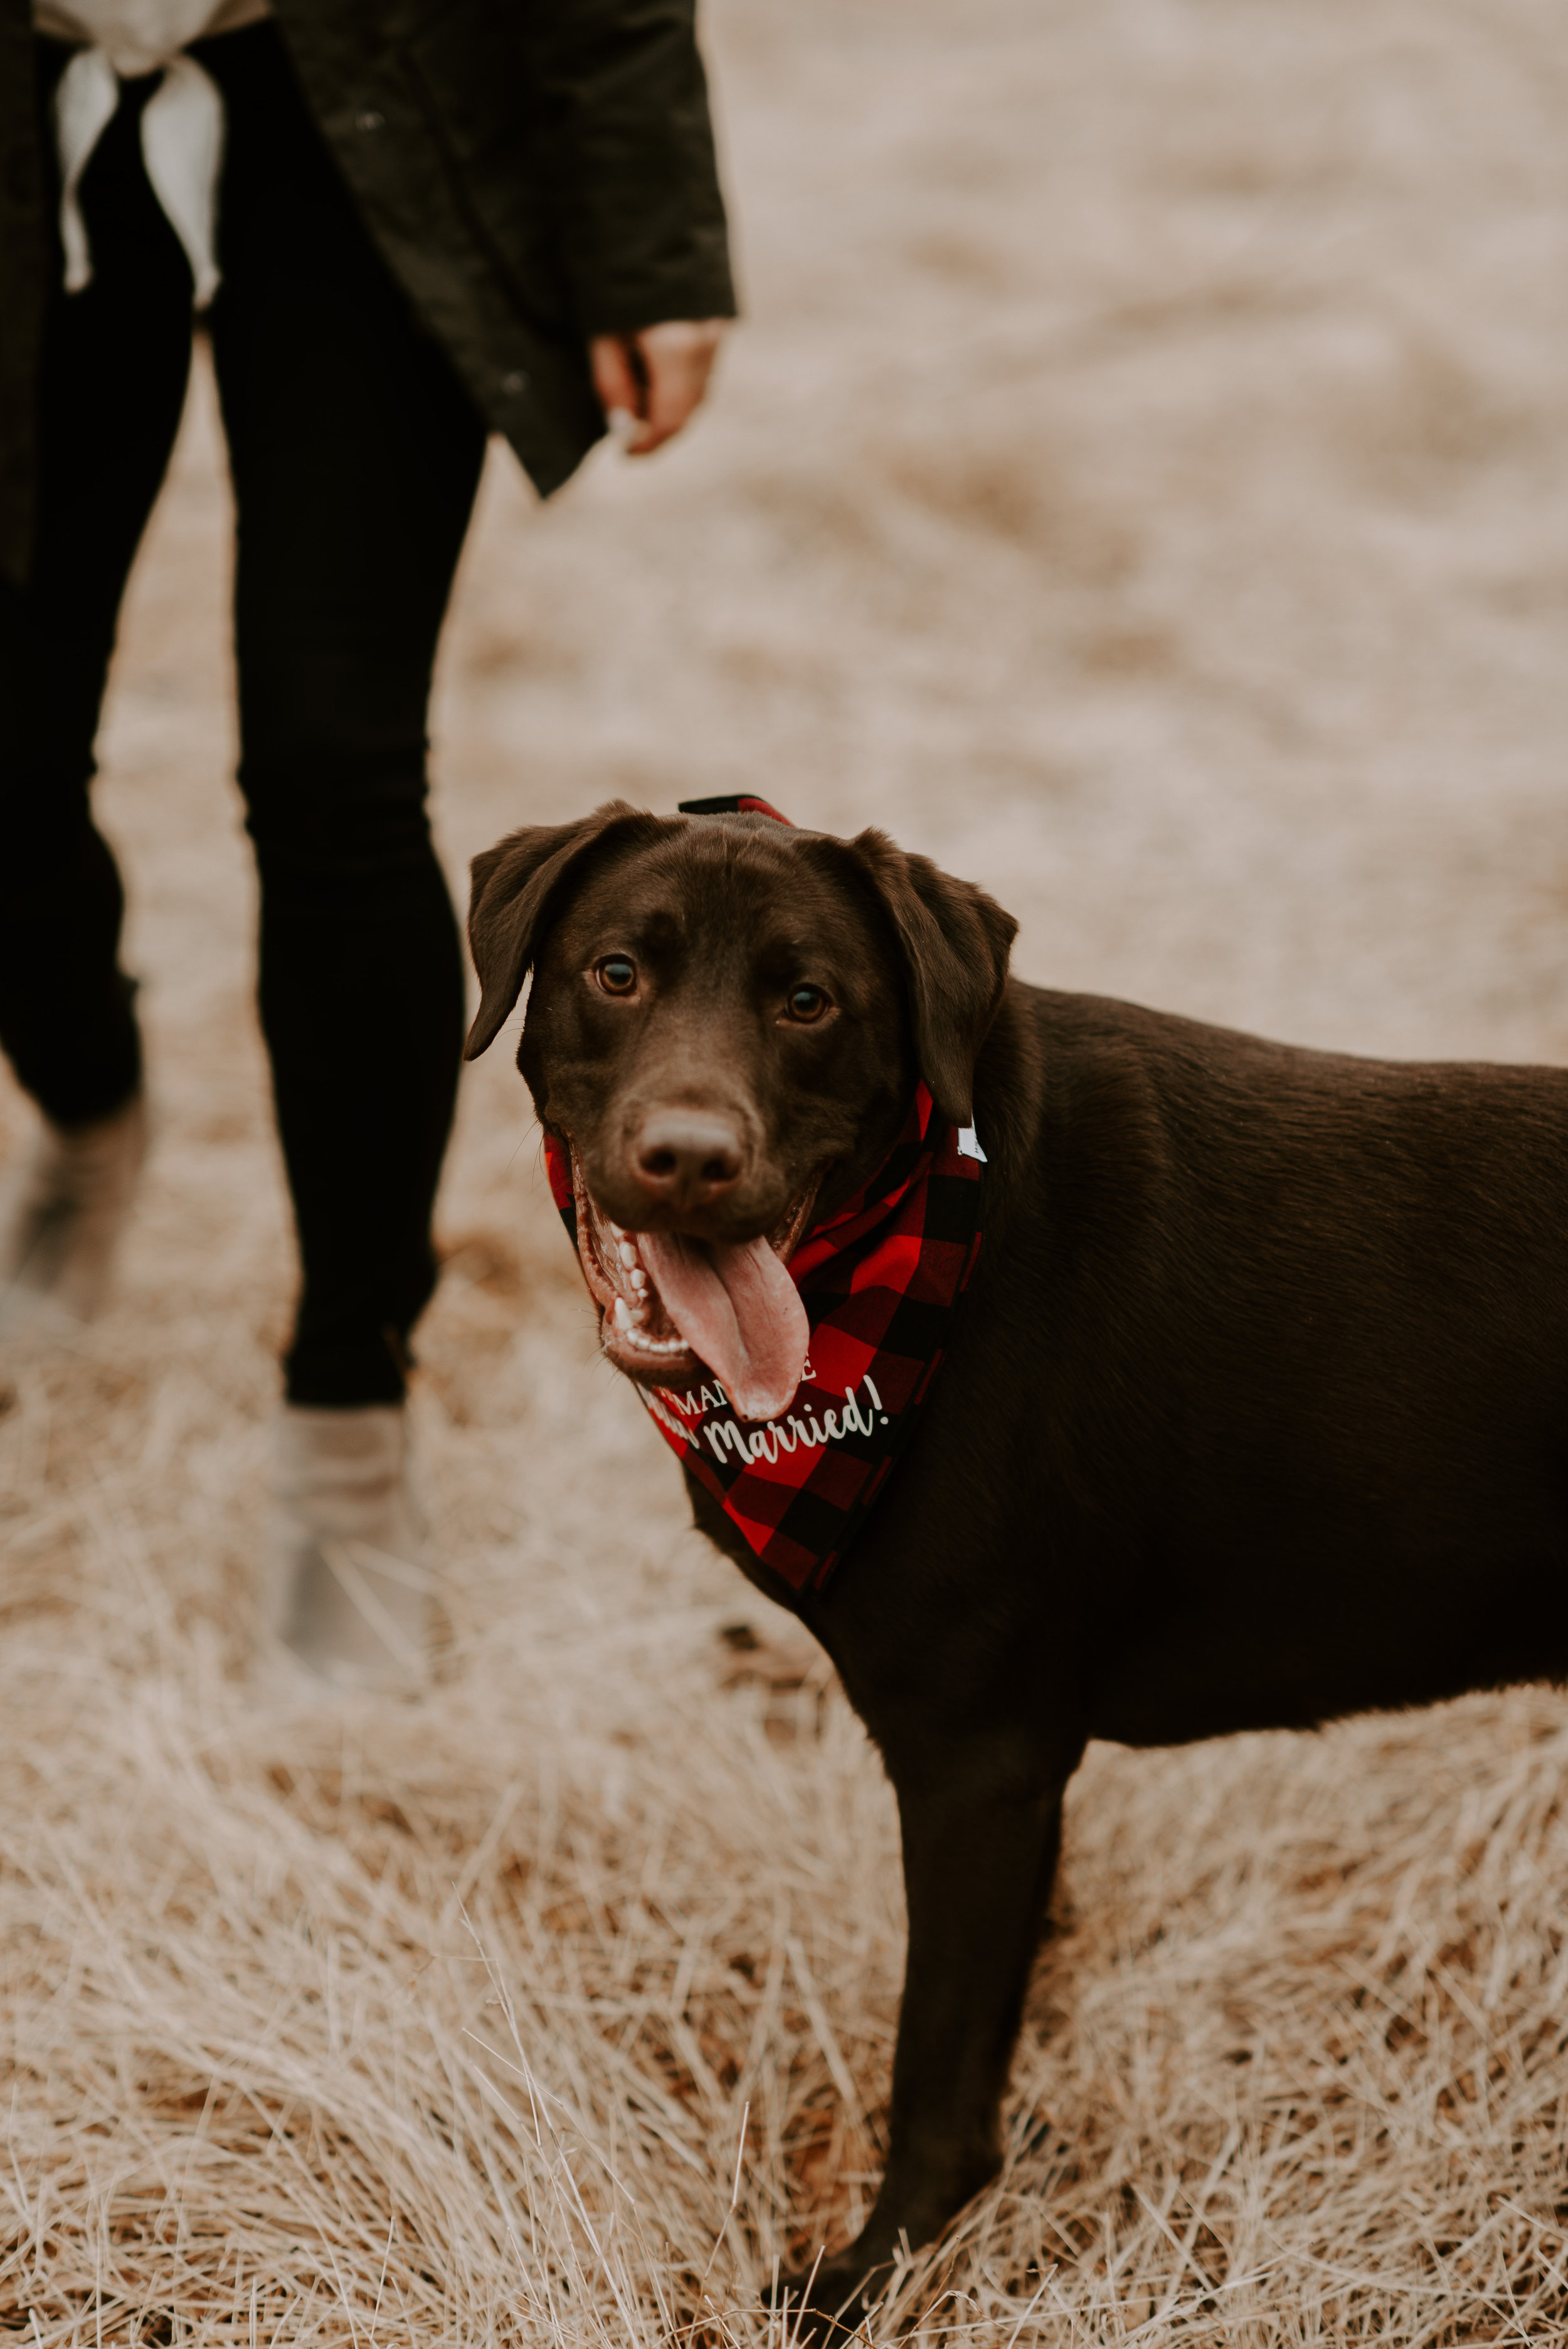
(513, 884)
(956, 941)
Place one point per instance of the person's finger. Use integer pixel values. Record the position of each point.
(616, 379)
(677, 359)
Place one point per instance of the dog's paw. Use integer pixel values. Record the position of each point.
(826, 2307)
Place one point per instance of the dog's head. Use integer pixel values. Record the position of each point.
(727, 1021)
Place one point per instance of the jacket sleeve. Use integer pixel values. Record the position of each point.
(630, 174)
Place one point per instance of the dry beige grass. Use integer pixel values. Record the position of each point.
(1142, 484)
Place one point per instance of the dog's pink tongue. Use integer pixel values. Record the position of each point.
(739, 1312)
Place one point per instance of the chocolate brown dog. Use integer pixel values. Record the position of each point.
(1254, 1412)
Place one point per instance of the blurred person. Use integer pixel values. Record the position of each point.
(409, 223)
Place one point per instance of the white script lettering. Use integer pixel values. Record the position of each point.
(725, 1437)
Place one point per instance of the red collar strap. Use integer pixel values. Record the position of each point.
(879, 1281)
(732, 803)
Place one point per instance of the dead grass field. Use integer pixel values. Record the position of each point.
(1143, 484)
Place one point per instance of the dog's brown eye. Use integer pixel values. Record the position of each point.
(807, 1003)
(617, 974)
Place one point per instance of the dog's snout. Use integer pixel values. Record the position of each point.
(685, 1159)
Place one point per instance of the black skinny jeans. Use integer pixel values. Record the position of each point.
(355, 455)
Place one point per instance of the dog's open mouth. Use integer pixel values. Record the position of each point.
(671, 1307)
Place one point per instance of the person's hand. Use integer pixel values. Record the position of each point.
(657, 376)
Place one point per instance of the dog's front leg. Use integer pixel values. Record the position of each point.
(981, 1824)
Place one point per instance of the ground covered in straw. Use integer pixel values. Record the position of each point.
(1141, 484)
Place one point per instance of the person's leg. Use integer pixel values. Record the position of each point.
(355, 457)
(116, 359)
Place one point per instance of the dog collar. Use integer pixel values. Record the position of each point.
(732, 803)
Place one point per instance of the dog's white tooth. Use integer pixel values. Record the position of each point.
(639, 1277)
(628, 1254)
(623, 1317)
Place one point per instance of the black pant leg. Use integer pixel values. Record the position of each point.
(116, 358)
(355, 457)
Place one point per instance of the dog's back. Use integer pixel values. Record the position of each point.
(1267, 1369)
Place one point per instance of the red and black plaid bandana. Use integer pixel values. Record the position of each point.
(879, 1281)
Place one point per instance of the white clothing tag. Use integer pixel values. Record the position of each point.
(969, 1146)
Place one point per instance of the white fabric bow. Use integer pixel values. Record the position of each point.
(181, 146)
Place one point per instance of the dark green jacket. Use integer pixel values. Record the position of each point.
(534, 170)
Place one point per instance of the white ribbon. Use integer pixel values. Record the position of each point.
(84, 106)
(181, 148)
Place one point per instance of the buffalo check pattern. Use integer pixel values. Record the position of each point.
(879, 1281)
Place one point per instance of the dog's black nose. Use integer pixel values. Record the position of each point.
(685, 1159)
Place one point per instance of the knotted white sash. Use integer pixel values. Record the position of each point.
(181, 146)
